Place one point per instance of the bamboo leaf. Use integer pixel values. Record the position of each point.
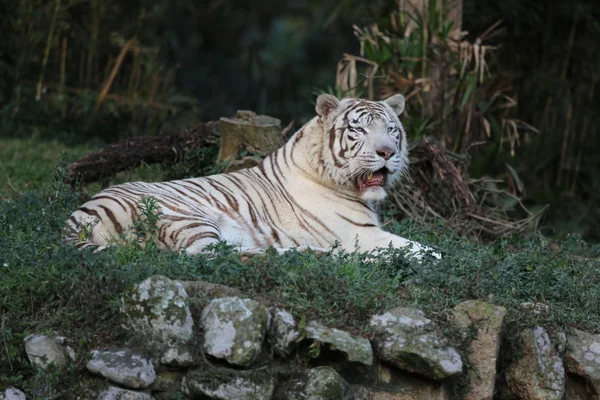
(467, 96)
(515, 176)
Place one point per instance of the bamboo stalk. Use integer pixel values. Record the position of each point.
(81, 68)
(38, 91)
(582, 138)
(63, 76)
(569, 49)
(93, 42)
(63, 65)
(565, 144)
(113, 72)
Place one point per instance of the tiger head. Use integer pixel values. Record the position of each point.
(363, 145)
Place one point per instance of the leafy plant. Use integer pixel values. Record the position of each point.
(145, 225)
(449, 82)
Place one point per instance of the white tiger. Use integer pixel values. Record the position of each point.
(319, 188)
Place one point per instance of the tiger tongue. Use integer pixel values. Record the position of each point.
(375, 179)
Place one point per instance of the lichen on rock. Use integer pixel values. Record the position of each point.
(43, 350)
(224, 384)
(355, 348)
(320, 383)
(582, 357)
(283, 332)
(123, 367)
(539, 374)
(234, 329)
(157, 310)
(487, 320)
(408, 340)
(158, 307)
(117, 393)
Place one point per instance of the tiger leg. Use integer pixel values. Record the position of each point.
(197, 239)
(415, 249)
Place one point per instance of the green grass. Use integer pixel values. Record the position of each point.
(27, 164)
(50, 287)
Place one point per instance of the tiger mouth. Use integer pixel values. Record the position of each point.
(376, 178)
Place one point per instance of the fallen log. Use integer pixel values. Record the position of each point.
(129, 153)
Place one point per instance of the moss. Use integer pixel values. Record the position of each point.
(356, 349)
(158, 304)
(235, 329)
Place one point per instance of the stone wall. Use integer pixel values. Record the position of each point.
(197, 340)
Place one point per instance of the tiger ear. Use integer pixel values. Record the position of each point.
(326, 104)
(396, 102)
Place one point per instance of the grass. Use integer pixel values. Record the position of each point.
(50, 287)
(28, 163)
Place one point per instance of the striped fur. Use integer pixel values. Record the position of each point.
(317, 189)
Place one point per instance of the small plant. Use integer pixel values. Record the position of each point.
(86, 228)
(314, 350)
(145, 226)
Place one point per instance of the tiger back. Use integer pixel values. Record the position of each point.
(318, 189)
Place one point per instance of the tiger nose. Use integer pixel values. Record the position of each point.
(385, 152)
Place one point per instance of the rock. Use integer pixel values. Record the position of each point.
(320, 383)
(283, 332)
(158, 307)
(117, 393)
(234, 329)
(364, 393)
(209, 290)
(540, 373)
(576, 389)
(393, 384)
(222, 384)
(487, 319)
(12, 394)
(123, 367)
(582, 357)
(324, 383)
(180, 357)
(407, 340)
(168, 381)
(157, 310)
(356, 349)
(45, 350)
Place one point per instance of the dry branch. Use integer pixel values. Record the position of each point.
(440, 188)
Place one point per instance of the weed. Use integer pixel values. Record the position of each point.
(145, 225)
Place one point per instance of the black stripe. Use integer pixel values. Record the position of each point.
(112, 218)
(365, 225)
